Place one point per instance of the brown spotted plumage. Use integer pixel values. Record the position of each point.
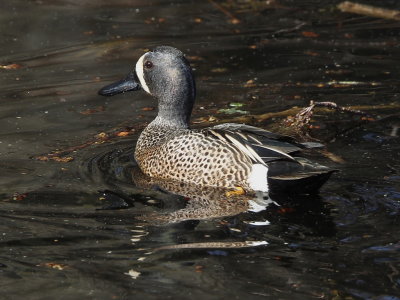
(191, 156)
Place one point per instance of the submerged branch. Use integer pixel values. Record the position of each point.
(320, 107)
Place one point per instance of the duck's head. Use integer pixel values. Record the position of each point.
(165, 74)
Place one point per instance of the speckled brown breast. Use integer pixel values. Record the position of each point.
(192, 157)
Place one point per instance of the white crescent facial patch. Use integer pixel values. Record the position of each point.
(140, 73)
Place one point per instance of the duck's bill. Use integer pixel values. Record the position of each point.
(129, 83)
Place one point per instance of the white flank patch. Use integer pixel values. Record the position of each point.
(258, 178)
(140, 73)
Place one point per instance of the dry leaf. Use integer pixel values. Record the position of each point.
(54, 266)
(367, 119)
(219, 70)
(92, 110)
(11, 67)
(101, 135)
(311, 53)
(199, 268)
(134, 274)
(310, 34)
(18, 197)
(42, 158)
(285, 210)
(62, 159)
(123, 133)
(249, 83)
(148, 108)
(333, 157)
(194, 58)
(348, 35)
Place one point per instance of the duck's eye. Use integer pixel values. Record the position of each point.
(148, 64)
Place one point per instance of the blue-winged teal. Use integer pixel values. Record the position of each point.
(227, 155)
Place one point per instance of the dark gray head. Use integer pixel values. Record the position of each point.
(165, 74)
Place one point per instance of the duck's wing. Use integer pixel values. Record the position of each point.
(268, 136)
(259, 145)
(253, 130)
(287, 172)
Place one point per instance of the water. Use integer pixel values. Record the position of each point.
(61, 239)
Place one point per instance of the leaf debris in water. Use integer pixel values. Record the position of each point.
(10, 67)
(236, 104)
(310, 34)
(93, 110)
(134, 274)
(52, 265)
(233, 110)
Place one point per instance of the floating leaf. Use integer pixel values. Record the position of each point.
(231, 111)
(101, 135)
(219, 70)
(122, 133)
(62, 159)
(199, 268)
(250, 83)
(310, 34)
(311, 53)
(194, 58)
(148, 108)
(56, 266)
(42, 158)
(92, 110)
(10, 67)
(209, 119)
(134, 274)
(18, 197)
(236, 104)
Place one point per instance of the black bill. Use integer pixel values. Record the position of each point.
(129, 83)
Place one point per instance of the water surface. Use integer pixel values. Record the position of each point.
(59, 145)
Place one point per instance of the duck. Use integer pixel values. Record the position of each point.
(229, 155)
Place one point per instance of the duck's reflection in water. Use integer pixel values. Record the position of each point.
(185, 205)
(202, 202)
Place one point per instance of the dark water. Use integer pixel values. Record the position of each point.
(57, 243)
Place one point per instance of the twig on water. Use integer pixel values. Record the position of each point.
(288, 30)
(232, 18)
(302, 119)
(368, 10)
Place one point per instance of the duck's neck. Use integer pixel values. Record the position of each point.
(172, 118)
(175, 105)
